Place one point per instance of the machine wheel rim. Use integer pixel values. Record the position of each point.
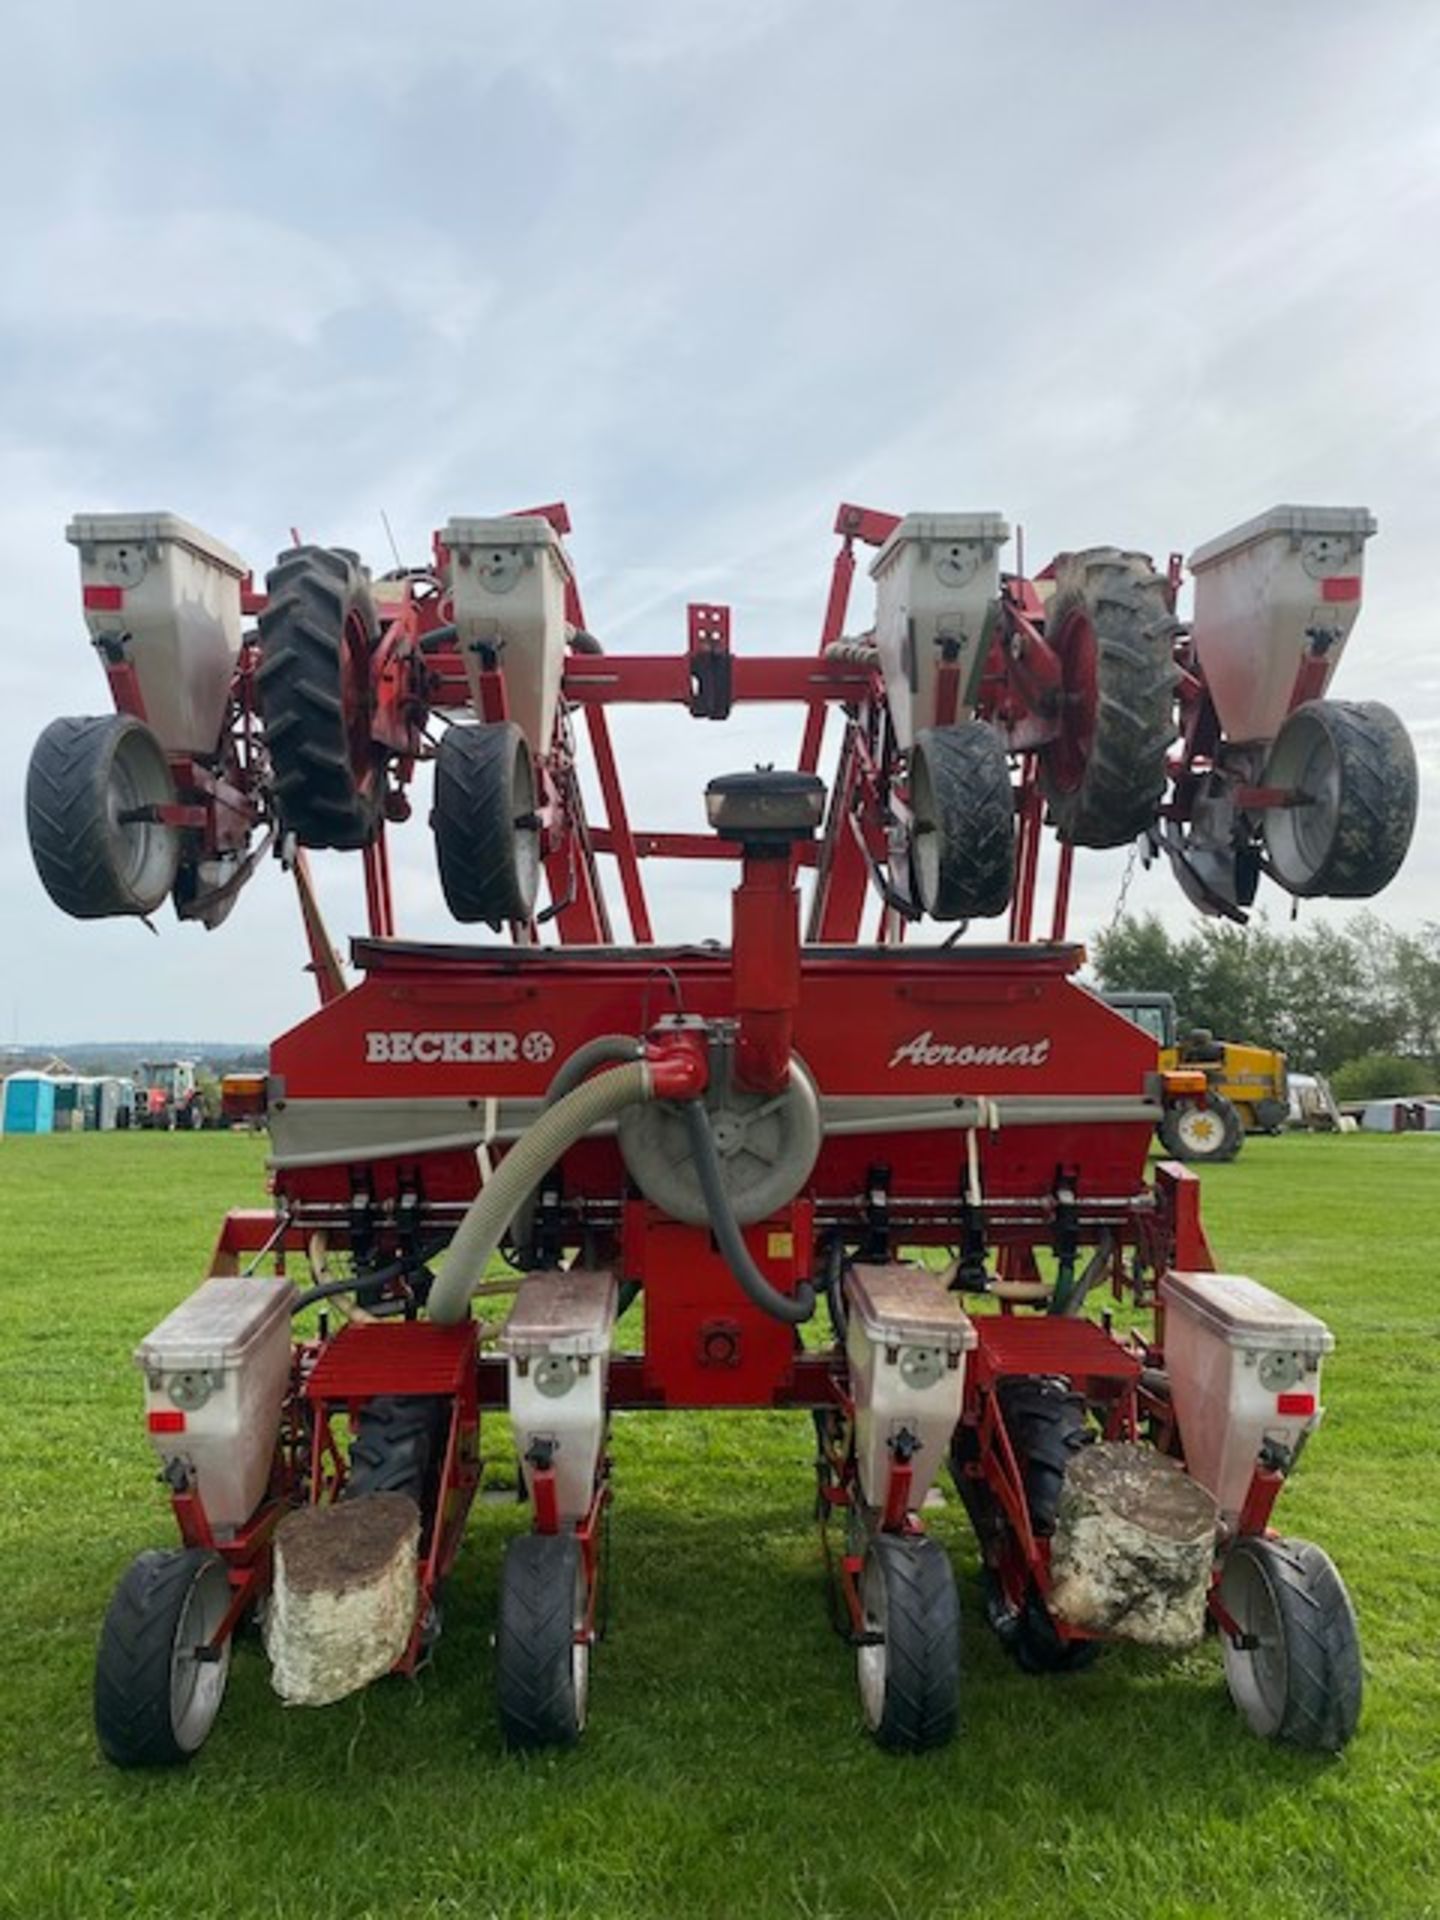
(355, 697)
(197, 1687)
(1313, 825)
(873, 1662)
(580, 1645)
(1258, 1674)
(147, 851)
(527, 833)
(1199, 1130)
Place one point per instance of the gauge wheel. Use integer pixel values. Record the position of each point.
(1293, 1663)
(542, 1649)
(908, 1660)
(158, 1688)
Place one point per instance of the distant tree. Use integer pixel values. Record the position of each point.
(1139, 956)
(1326, 995)
(1381, 1076)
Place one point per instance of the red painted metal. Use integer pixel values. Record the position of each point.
(446, 1035)
(392, 1356)
(766, 915)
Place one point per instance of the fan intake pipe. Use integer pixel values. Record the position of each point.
(547, 1139)
(791, 1308)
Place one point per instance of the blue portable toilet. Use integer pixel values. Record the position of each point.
(29, 1103)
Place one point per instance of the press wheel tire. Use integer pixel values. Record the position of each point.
(542, 1668)
(84, 774)
(317, 634)
(154, 1702)
(487, 837)
(1211, 1133)
(1109, 621)
(962, 852)
(1301, 1680)
(910, 1677)
(1354, 764)
(398, 1447)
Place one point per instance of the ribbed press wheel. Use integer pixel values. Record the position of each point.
(487, 835)
(542, 1657)
(89, 783)
(1351, 766)
(157, 1695)
(1294, 1674)
(908, 1667)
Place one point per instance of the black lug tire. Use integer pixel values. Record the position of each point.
(486, 836)
(1316, 1682)
(1116, 794)
(1046, 1424)
(541, 1680)
(398, 1447)
(1036, 1647)
(1357, 762)
(82, 772)
(1227, 1140)
(316, 636)
(913, 1702)
(134, 1709)
(963, 851)
(1271, 1116)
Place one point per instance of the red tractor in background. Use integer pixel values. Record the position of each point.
(885, 1184)
(167, 1096)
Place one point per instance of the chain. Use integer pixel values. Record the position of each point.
(1125, 879)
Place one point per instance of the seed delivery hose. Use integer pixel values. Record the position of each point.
(545, 1141)
(792, 1308)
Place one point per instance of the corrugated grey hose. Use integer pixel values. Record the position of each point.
(543, 1142)
(791, 1308)
(603, 1051)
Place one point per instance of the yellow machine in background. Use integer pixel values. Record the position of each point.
(1215, 1091)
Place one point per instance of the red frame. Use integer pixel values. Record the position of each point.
(865, 1020)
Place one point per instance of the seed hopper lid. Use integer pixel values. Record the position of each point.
(90, 530)
(1290, 523)
(218, 1325)
(1244, 1314)
(993, 529)
(465, 533)
(555, 1312)
(906, 1305)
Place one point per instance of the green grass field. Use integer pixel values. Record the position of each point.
(724, 1772)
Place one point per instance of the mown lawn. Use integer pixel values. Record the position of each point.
(723, 1772)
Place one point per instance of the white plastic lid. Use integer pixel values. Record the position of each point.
(515, 530)
(152, 529)
(938, 528)
(1244, 1314)
(216, 1327)
(1292, 523)
(569, 1312)
(901, 1305)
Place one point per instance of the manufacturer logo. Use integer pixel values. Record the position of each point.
(430, 1049)
(926, 1051)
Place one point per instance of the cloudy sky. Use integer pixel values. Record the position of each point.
(1123, 273)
